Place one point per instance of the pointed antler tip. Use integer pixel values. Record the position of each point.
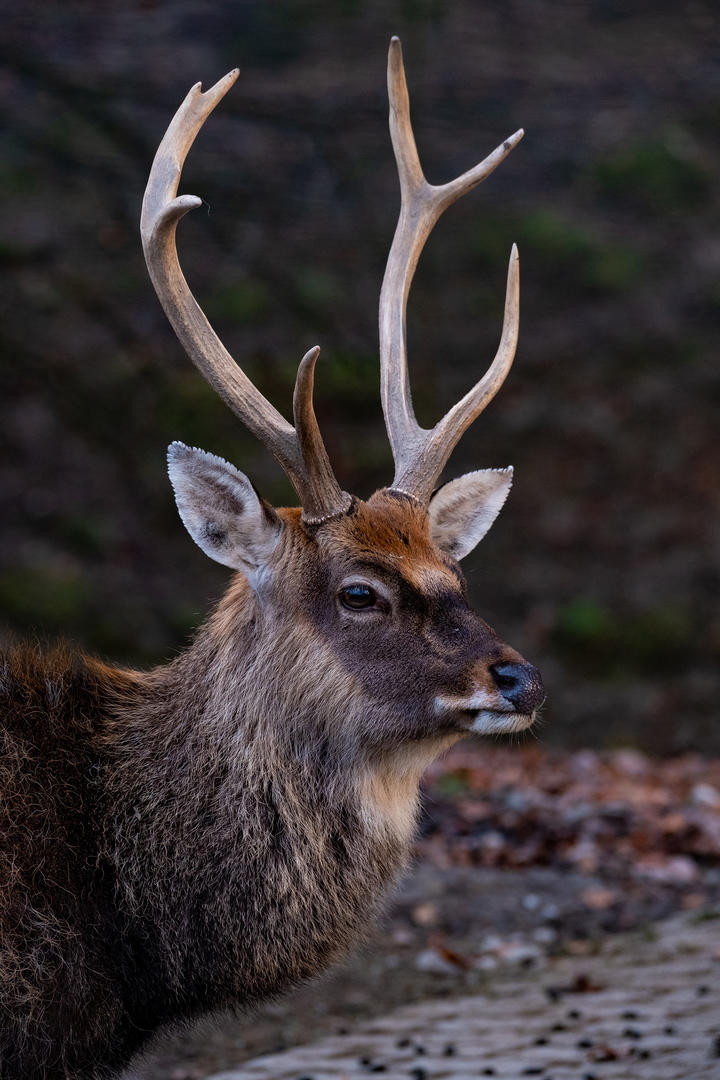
(306, 366)
(512, 140)
(221, 87)
(395, 56)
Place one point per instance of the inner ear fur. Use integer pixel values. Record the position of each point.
(463, 510)
(221, 509)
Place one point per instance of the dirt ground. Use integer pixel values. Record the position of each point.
(525, 856)
(642, 1007)
(449, 933)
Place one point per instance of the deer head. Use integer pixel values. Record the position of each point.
(375, 584)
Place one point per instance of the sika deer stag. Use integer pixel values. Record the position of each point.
(211, 832)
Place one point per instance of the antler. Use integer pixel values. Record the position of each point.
(420, 455)
(300, 449)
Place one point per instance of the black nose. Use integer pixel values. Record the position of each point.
(520, 685)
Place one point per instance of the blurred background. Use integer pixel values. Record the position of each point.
(604, 567)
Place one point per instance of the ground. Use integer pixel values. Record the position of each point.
(640, 1009)
(532, 865)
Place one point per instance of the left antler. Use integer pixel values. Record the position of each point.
(300, 449)
(420, 455)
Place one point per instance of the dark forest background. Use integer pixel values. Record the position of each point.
(604, 567)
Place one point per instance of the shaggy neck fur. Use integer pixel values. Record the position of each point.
(251, 838)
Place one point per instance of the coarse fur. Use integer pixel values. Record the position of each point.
(219, 829)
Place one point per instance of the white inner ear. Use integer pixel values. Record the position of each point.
(221, 510)
(462, 511)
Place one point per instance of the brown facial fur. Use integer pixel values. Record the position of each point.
(428, 643)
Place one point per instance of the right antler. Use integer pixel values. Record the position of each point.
(300, 449)
(420, 455)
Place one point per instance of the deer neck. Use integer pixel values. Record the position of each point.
(226, 794)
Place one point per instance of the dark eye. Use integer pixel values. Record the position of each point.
(356, 597)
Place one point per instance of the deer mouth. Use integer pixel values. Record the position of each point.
(482, 714)
(496, 721)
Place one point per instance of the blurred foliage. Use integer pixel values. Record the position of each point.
(602, 642)
(654, 176)
(53, 598)
(579, 261)
(246, 301)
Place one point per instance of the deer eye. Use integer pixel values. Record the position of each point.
(357, 597)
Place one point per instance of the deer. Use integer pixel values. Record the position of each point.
(214, 831)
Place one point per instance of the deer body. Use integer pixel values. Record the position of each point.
(157, 893)
(214, 831)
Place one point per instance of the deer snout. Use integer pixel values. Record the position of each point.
(520, 684)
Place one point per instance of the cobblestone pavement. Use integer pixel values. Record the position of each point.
(646, 1008)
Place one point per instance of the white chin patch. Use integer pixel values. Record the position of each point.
(483, 714)
(488, 722)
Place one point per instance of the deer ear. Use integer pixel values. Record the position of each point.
(462, 511)
(221, 510)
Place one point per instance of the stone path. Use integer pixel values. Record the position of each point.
(643, 1009)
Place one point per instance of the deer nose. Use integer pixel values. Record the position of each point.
(520, 684)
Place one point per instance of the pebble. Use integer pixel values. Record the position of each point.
(705, 795)
(520, 952)
(486, 963)
(426, 914)
(432, 963)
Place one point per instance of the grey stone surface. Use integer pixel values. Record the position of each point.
(651, 1012)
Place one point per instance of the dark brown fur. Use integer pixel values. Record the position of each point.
(214, 831)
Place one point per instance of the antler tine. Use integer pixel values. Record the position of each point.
(301, 453)
(420, 455)
(311, 443)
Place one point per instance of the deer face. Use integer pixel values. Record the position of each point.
(380, 591)
(393, 604)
